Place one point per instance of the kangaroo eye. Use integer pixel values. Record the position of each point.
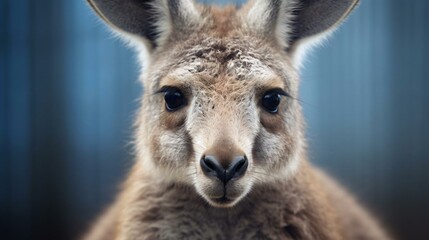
(271, 101)
(174, 99)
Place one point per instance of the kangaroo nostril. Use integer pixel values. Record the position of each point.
(209, 164)
(240, 166)
(211, 167)
(237, 168)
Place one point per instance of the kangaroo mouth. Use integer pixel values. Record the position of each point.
(222, 201)
(227, 199)
(223, 195)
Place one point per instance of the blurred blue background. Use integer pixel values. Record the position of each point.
(68, 92)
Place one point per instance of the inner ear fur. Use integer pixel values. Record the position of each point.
(292, 21)
(130, 16)
(152, 20)
(314, 17)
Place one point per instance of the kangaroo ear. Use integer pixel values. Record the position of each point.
(152, 20)
(313, 21)
(296, 24)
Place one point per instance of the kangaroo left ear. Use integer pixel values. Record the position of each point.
(296, 24)
(313, 21)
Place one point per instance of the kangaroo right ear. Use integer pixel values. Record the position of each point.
(152, 20)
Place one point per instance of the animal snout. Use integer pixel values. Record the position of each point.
(212, 167)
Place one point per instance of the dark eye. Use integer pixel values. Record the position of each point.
(174, 99)
(271, 101)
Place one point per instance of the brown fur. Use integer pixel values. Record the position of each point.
(297, 209)
(223, 68)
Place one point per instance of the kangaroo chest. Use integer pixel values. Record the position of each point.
(200, 223)
(186, 217)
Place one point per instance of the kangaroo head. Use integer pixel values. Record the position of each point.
(219, 109)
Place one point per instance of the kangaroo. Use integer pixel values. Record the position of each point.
(219, 139)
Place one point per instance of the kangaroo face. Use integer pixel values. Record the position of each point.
(222, 116)
(219, 112)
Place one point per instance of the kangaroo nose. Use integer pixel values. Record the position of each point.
(212, 168)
